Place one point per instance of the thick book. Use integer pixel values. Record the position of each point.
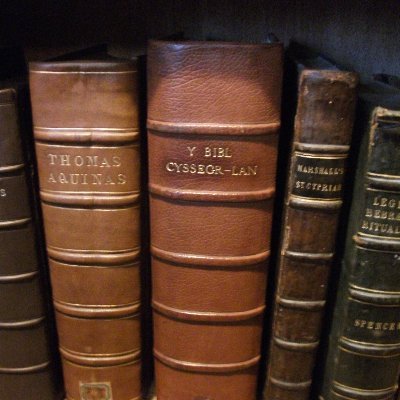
(364, 351)
(85, 116)
(27, 368)
(213, 122)
(313, 201)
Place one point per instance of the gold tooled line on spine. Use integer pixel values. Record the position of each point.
(351, 390)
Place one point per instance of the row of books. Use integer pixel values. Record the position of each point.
(226, 209)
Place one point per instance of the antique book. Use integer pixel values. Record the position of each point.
(26, 367)
(87, 147)
(322, 134)
(213, 122)
(364, 352)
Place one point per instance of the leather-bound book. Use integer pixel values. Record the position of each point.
(213, 121)
(26, 367)
(313, 201)
(364, 351)
(87, 147)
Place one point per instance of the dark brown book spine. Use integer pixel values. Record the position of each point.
(86, 133)
(25, 355)
(323, 126)
(213, 121)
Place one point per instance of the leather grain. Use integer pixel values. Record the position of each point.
(86, 134)
(213, 121)
(323, 127)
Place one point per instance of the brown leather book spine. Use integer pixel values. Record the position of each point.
(87, 146)
(323, 126)
(25, 354)
(213, 121)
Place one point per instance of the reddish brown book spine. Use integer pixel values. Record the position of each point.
(213, 121)
(86, 134)
(323, 127)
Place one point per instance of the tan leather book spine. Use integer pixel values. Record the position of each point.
(87, 146)
(323, 126)
(213, 122)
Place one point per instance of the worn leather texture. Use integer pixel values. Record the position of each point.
(213, 122)
(25, 352)
(323, 127)
(85, 118)
(364, 352)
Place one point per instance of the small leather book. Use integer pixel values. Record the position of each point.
(322, 133)
(27, 368)
(213, 122)
(87, 147)
(364, 351)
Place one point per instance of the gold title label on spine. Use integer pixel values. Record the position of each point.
(318, 177)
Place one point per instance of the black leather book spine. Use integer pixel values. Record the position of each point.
(365, 354)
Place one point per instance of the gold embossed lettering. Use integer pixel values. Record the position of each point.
(116, 161)
(105, 163)
(51, 178)
(240, 171)
(109, 181)
(377, 326)
(96, 179)
(62, 178)
(191, 150)
(79, 161)
(74, 179)
(65, 159)
(3, 192)
(91, 161)
(217, 152)
(53, 158)
(121, 179)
